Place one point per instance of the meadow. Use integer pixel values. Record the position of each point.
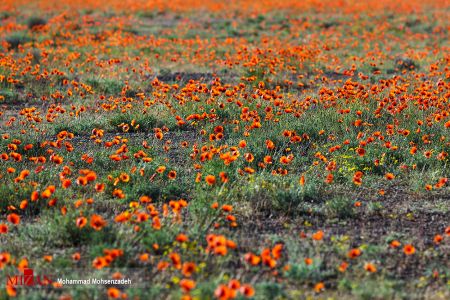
(225, 149)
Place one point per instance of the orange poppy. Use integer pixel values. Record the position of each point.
(172, 175)
(222, 292)
(223, 177)
(160, 169)
(162, 265)
(81, 222)
(302, 180)
(99, 262)
(11, 290)
(361, 151)
(247, 290)
(370, 268)
(187, 285)
(409, 249)
(354, 253)
(395, 244)
(34, 196)
(3, 228)
(13, 218)
(389, 176)
(113, 293)
(343, 267)
(227, 208)
(66, 183)
(317, 236)
(210, 179)
(124, 177)
(188, 269)
(99, 187)
(319, 287)
(97, 222)
(182, 238)
(76, 256)
(438, 239)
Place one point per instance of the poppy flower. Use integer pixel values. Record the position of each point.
(144, 257)
(176, 260)
(124, 177)
(82, 180)
(427, 154)
(317, 236)
(34, 196)
(11, 290)
(210, 179)
(361, 151)
(99, 262)
(354, 253)
(162, 265)
(81, 222)
(319, 287)
(188, 269)
(302, 180)
(438, 239)
(160, 169)
(227, 208)
(76, 256)
(252, 259)
(409, 249)
(395, 244)
(370, 268)
(222, 292)
(223, 177)
(113, 293)
(97, 222)
(357, 180)
(182, 238)
(247, 290)
(66, 183)
(172, 175)
(249, 157)
(5, 258)
(3, 228)
(277, 250)
(23, 264)
(99, 187)
(46, 194)
(220, 250)
(234, 284)
(389, 176)
(187, 285)
(13, 218)
(343, 267)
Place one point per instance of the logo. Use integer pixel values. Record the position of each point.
(28, 279)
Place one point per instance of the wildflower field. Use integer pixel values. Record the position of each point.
(225, 149)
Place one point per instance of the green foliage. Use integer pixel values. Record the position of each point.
(36, 21)
(18, 38)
